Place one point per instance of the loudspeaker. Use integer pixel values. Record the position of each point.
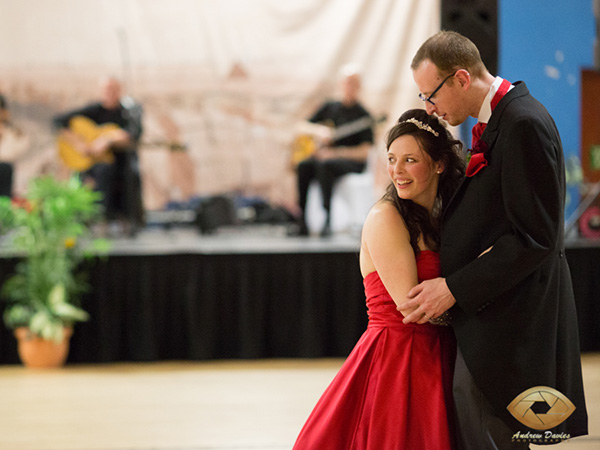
(477, 20)
(214, 212)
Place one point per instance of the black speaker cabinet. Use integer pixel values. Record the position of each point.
(477, 20)
(214, 212)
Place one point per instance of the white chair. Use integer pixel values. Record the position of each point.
(352, 198)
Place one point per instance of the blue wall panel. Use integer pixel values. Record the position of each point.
(545, 43)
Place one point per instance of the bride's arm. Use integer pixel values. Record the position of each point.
(386, 248)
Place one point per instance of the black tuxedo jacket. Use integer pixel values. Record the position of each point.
(515, 318)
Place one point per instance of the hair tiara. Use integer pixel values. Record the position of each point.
(421, 125)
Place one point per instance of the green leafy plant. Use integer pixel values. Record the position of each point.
(49, 231)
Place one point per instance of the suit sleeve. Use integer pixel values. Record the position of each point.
(532, 187)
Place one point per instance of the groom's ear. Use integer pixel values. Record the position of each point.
(463, 78)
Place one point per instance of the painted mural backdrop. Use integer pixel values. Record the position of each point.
(224, 80)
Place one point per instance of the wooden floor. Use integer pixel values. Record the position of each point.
(231, 405)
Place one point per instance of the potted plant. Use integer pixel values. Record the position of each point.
(49, 231)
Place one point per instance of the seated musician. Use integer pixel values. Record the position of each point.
(6, 167)
(107, 158)
(335, 156)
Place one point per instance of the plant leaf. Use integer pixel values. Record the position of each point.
(68, 312)
(57, 294)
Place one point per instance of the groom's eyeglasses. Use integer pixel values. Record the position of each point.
(428, 99)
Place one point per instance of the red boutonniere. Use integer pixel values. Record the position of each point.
(477, 160)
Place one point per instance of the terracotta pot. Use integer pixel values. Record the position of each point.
(41, 353)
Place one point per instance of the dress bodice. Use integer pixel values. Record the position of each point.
(381, 308)
(398, 378)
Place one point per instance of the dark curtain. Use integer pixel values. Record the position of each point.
(149, 308)
(201, 307)
(585, 273)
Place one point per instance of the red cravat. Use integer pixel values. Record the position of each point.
(478, 161)
(476, 133)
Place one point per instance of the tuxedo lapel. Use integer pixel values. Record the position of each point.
(463, 185)
(519, 90)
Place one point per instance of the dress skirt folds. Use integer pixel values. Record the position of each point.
(394, 391)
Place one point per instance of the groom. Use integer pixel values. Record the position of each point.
(506, 282)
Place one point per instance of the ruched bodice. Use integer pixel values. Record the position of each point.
(381, 308)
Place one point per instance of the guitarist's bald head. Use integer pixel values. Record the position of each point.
(110, 92)
(350, 83)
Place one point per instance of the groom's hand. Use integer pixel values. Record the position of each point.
(431, 298)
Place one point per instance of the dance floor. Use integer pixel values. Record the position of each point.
(225, 405)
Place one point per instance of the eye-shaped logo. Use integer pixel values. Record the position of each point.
(541, 408)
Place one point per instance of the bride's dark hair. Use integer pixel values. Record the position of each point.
(442, 147)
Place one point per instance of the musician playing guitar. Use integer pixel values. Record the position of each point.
(99, 141)
(335, 155)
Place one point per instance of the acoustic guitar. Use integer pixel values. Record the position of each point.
(88, 130)
(305, 145)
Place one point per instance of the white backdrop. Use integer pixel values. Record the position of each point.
(229, 78)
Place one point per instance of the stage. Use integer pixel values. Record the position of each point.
(243, 293)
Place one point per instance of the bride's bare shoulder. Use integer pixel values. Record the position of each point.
(383, 212)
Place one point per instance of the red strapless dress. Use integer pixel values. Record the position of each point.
(394, 391)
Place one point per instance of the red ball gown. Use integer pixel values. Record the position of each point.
(394, 391)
